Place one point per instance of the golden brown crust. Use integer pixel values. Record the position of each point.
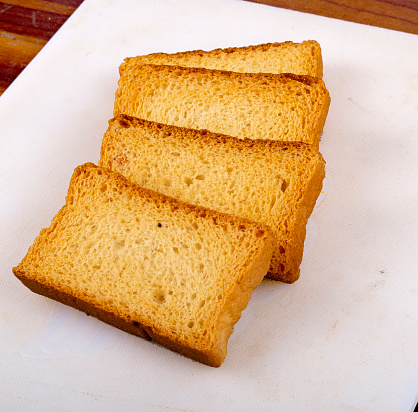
(133, 327)
(161, 199)
(205, 136)
(254, 77)
(262, 47)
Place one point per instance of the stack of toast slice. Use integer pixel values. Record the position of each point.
(208, 174)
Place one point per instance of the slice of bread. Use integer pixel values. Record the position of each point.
(288, 57)
(149, 264)
(271, 182)
(283, 107)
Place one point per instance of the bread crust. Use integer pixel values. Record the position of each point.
(134, 328)
(205, 136)
(253, 77)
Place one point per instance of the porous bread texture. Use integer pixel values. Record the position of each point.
(271, 182)
(299, 58)
(283, 107)
(151, 265)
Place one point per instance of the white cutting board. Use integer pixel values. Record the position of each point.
(343, 337)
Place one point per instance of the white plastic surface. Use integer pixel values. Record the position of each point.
(343, 337)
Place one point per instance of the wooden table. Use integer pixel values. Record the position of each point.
(399, 15)
(27, 25)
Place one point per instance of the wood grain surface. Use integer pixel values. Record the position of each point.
(27, 25)
(401, 15)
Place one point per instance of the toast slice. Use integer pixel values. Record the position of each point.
(148, 264)
(271, 182)
(299, 58)
(284, 107)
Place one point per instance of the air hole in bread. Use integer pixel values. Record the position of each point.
(200, 177)
(167, 182)
(272, 202)
(190, 324)
(198, 246)
(119, 245)
(282, 249)
(202, 303)
(188, 181)
(283, 186)
(175, 154)
(175, 249)
(159, 296)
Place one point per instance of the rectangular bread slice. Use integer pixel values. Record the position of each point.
(148, 264)
(298, 58)
(283, 107)
(271, 182)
